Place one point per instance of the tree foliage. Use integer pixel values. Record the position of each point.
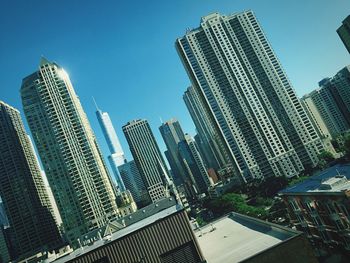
(236, 203)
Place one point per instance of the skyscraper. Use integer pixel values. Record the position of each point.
(133, 182)
(117, 155)
(344, 32)
(247, 95)
(332, 100)
(68, 149)
(22, 188)
(215, 147)
(172, 134)
(194, 164)
(148, 158)
(315, 116)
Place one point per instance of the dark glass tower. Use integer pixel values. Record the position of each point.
(344, 32)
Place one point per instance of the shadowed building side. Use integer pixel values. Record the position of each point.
(22, 189)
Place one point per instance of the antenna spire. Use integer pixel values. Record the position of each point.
(95, 103)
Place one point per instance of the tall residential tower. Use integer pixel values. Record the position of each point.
(237, 75)
(68, 149)
(22, 188)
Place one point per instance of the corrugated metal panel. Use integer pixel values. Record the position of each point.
(168, 240)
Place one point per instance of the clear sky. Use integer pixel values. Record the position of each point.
(123, 54)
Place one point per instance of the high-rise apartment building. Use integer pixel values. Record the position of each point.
(22, 189)
(117, 155)
(247, 95)
(332, 100)
(68, 149)
(148, 158)
(215, 148)
(315, 116)
(344, 32)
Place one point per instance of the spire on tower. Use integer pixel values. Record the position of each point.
(95, 103)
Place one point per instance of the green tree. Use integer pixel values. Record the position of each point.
(346, 146)
(325, 158)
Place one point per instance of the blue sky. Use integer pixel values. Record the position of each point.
(122, 52)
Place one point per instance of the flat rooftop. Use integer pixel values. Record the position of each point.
(236, 237)
(335, 179)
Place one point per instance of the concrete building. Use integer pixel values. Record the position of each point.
(126, 203)
(315, 116)
(239, 238)
(344, 33)
(160, 233)
(239, 79)
(214, 147)
(320, 207)
(22, 189)
(332, 101)
(117, 155)
(148, 158)
(68, 149)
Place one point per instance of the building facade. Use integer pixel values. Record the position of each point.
(147, 157)
(160, 233)
(25, 199)
(67, 146)
(194, 164)
(117, 155)
(344, 32)
(315, 116)
(134, 183)
(173, 135)
(320, 207)
(215, 148)
(332, 101)
(247, 94)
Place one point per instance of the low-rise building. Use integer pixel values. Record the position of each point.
(160, 232)
(126, 203)
(240, 238)
(320, 207)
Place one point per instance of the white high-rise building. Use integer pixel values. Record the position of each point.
(69, 152)
(117, 157)
(235, 71)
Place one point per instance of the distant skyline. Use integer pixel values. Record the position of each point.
(123, 53)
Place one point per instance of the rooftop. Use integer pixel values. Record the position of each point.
(133, 222)
(335, 180)
(236, 237)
